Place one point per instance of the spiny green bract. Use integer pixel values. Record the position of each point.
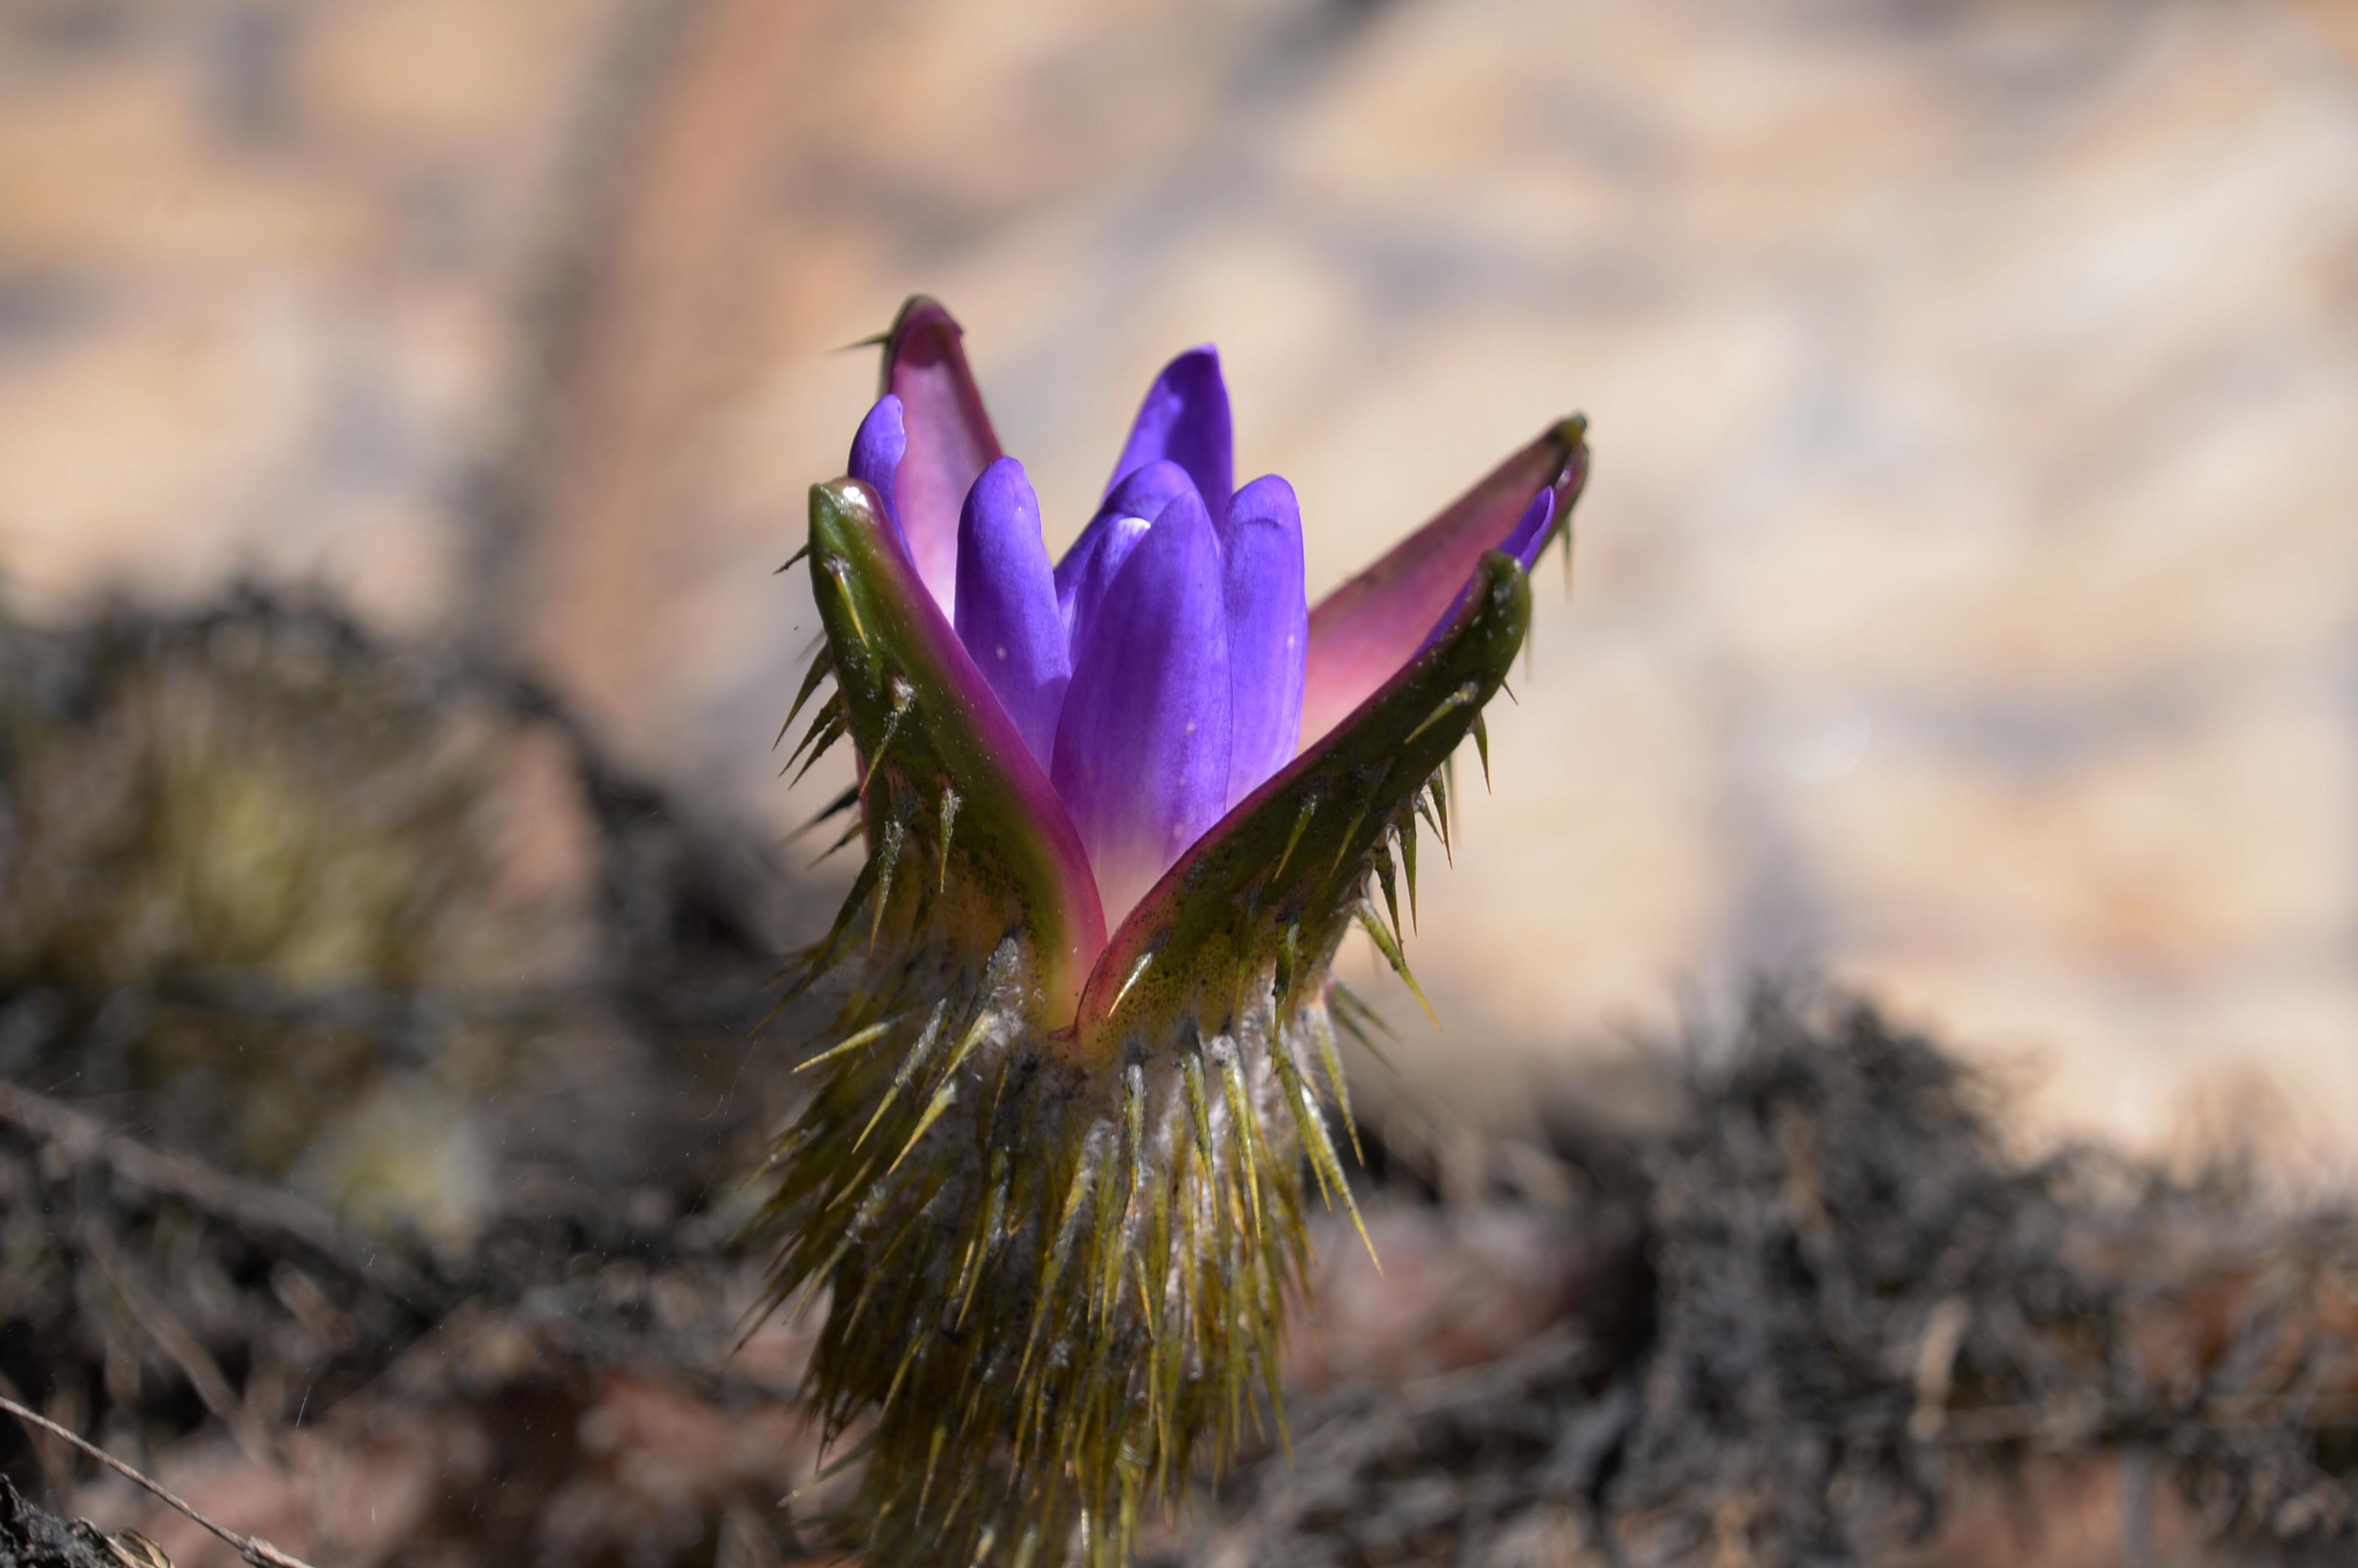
(1056, 1256)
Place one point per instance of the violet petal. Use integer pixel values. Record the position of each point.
(1096, 558)
(1007, 615)
(1524, 544)
(1269, 630)
(1142, 747)
(1531, 529)
(1185, 419)
(1117, 538)
(876, 453)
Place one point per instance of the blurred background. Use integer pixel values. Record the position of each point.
(1968, 594)
(404, 404)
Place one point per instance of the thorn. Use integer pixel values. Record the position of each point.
(1136, 970)
(1424, 809)
(837, 1465)
(1232, 1083)
(909, 1065)
(1059, 1253)
(1148, 1318)
(902, 699)
(1191, 1069)
(891, 1093)
(1509, 689)
(1277, 1406)
(1406, 834)
(877, 1269)
(873, 341)
(851, 1189)
(852, 1042)
(854, 831)
(821, 666)
(823, 955)
(831, 713)
(798, 554)
(1350, 836)
(1105, 1276)
(1389, 945)
(1361, 1018)
(908, 1359)
(1352, 1205)
(826, 730)
(888, 856)
(1309, 806)
(950, 828)
(992, 1217)
(842, 573)
(1449, 704)
(1482, 745)
(1297, 1100)
(933, 1459)
(941, 1102)
(967, 1043)
(841, 803)
(1322, 1032)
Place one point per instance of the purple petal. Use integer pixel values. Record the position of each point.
(1185, 419)
(1367, 629)
(876, 453)
(1530, 530)
(949, 438)
(1524, 544)
(1146, 491)
(1269, 630)
(1096, 558)
(1007, 615)
(1116, 537)
(1142, 747)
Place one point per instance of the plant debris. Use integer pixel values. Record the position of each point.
(1849, 1325)
(1823, 1312)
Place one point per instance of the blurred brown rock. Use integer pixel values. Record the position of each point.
(1967, 593)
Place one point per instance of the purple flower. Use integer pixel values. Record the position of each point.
(1169, 663)
(1090, 1148)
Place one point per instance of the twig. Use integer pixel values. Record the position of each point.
(1972, 1426)
(53, 1473)
(175, 1340)
(259, 1553)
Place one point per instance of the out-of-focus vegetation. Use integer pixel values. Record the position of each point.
(255, 838)
(307, 903)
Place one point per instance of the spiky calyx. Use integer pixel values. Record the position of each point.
(1055, 1195)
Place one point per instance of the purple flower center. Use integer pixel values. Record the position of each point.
(1156, 673)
